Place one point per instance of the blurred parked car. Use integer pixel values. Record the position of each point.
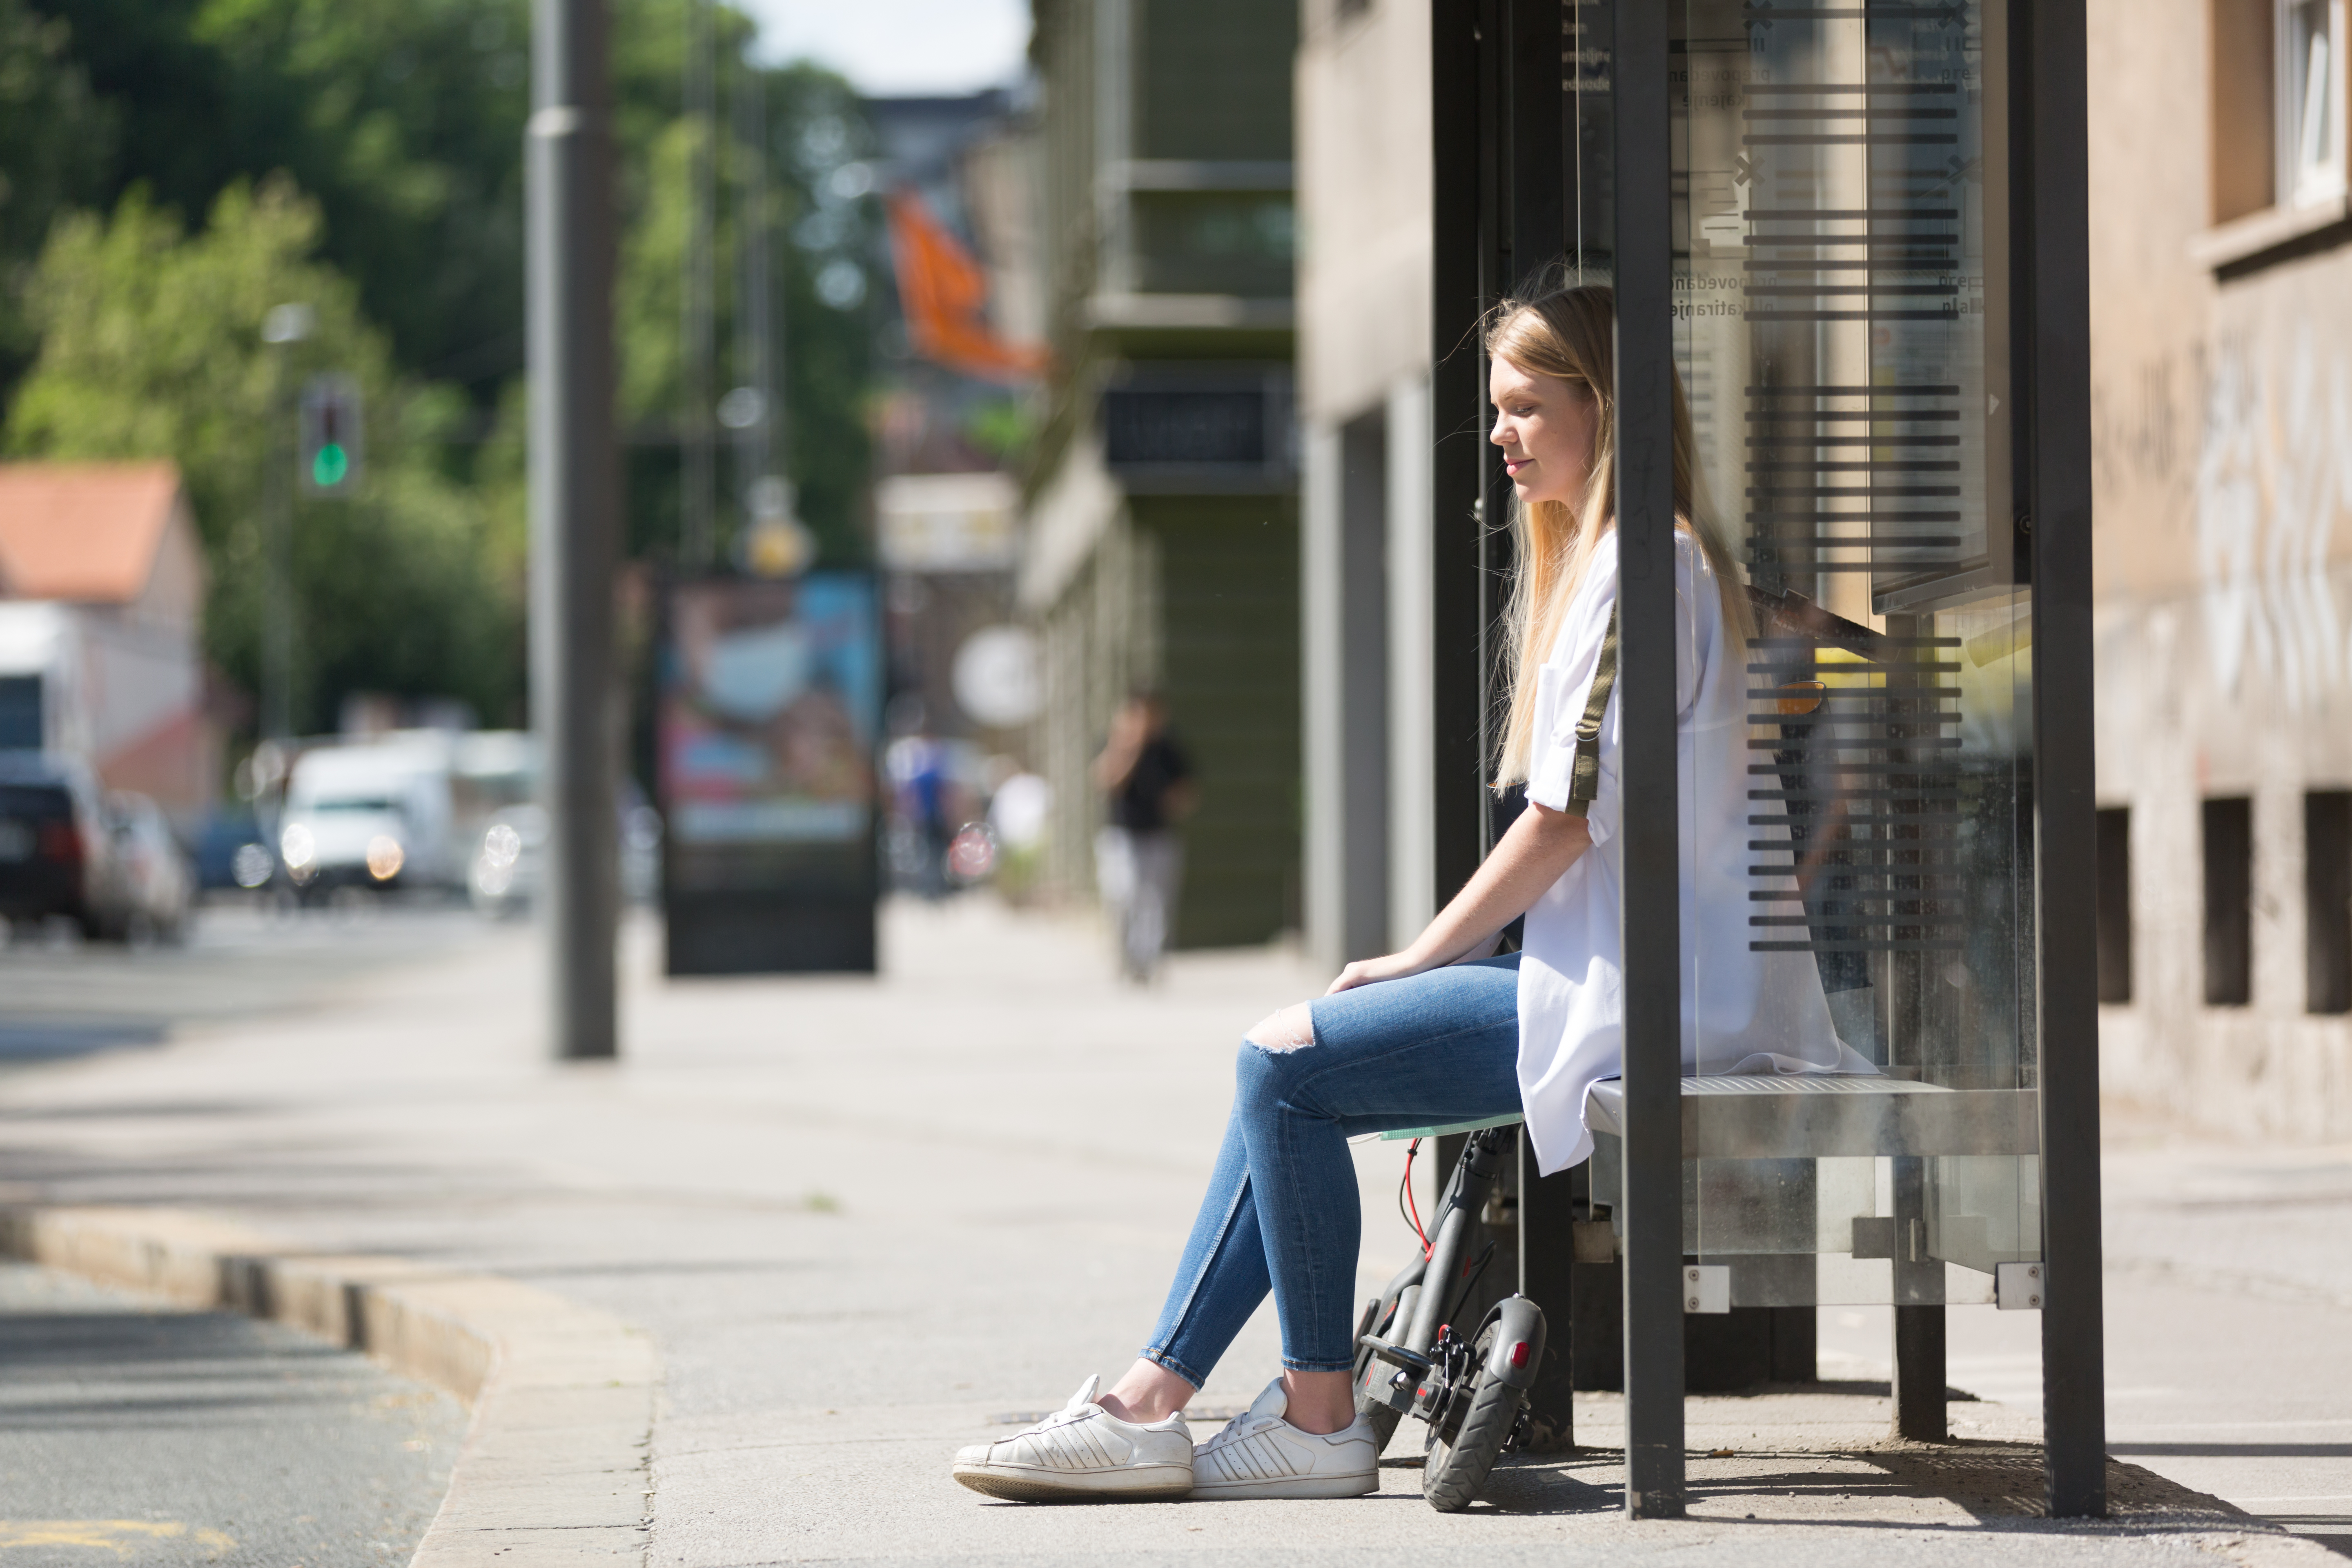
(371, 816)
(233, 851)
(511, 859)
(155, 884)
(108, 863)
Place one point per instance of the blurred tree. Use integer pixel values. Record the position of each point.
(828, 244)
(402, 120)
(56, 152)
(820, 149)
(151, 346)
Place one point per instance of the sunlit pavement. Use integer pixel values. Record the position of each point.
(867, 1219)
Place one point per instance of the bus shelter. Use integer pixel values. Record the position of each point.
(1853, 230)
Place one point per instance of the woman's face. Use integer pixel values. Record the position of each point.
(1546, 427)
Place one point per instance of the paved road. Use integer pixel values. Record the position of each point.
(60, 996)
(865, 1219)
(138, 1433)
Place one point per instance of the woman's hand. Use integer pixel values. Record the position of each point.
(1537, 852)
(1371, 971)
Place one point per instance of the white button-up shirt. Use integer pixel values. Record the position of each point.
(1742, 1011)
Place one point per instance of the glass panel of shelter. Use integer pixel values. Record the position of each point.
(1842, 332)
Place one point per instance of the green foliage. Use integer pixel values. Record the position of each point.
(151, 346)
(816, 130)
(55, 146)
(999, 426)
(403, 118)
(401, 122)
(817, 133)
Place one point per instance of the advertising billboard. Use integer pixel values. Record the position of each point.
(769, 697)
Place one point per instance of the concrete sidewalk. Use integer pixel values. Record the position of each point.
(865, 1221)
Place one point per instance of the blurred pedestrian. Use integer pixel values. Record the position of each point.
(928, 799)
(1138, 854)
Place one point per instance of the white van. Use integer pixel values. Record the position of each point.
(377, 814)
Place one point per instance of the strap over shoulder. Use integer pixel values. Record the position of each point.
(1584, 778)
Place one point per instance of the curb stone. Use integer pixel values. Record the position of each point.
(553, 1471)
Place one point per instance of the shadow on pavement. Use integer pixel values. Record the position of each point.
(23, 1040)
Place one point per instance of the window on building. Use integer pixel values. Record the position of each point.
(2327, 900)
(2115, 905)
(2311, 101)
(20, 713)
(2229, 902)
(2278, 104)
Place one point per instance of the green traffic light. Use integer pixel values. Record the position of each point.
(328, 469)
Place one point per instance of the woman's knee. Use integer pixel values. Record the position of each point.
(1291, 1029)
(1271, 1055)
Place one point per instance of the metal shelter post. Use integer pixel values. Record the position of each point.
(2050, 63)
(575, 486)
(1645, 694)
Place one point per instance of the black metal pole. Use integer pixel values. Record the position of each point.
(698, 291)
(1646, 768)
(1498, 138)
(2058, 522)
(1921, 1413)
(1533, 235)
(278, 521)
(574, 480)
(1541, 173)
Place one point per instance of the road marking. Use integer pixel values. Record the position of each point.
(119, 1536)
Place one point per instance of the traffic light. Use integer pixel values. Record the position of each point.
(331, 436)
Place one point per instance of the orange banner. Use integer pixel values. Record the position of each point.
(944, 295)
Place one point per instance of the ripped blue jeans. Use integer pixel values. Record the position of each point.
(1281, 1211)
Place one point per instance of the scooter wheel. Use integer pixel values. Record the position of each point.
(1455, 1465)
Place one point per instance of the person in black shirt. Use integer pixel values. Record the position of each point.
(1139, 857)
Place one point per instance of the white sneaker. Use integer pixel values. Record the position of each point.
(1260, 1454)
(1083, 1452)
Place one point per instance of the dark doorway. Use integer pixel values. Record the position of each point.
(2229, 902)
(2115, 905)
(2327, 900)
(1364, 684)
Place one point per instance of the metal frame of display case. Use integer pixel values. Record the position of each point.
(1516, 155)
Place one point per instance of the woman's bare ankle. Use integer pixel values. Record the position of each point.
(1319, 1402)
(1148, 1392)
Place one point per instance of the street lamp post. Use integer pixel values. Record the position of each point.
(574, 480)
(285, 326)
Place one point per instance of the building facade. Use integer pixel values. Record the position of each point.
(101, 602)
(1365, 173)
(2222, 255)
(1161, 529)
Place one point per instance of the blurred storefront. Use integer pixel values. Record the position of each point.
(2221, 330)
(1161, 545)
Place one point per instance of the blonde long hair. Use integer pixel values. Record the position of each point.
(1571, 334)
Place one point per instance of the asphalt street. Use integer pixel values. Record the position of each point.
(140, 1434)
(61, 996)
